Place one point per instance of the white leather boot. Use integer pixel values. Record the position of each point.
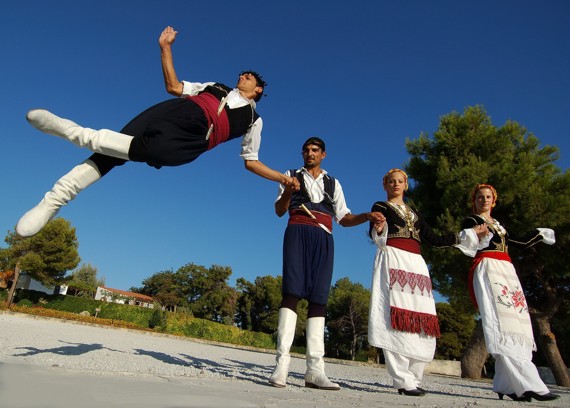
(64, 190)
(315, 376)
(102, 141)
(285, 336)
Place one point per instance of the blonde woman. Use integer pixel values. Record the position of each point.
(403, 319)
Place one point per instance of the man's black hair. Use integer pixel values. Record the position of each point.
(315, 141)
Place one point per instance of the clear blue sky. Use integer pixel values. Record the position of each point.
(363, 75)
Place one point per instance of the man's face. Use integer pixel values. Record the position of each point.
(313, 155)
(247, 84)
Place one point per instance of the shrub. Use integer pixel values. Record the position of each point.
(114, 314)
(25, 303)
(157, 319)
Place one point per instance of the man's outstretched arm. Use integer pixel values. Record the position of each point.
(257, 167)
(171, 82)
(351, 220)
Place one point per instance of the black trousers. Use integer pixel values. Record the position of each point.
(171, 133)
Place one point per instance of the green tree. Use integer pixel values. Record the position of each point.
(83, 282)
(467, 149)
(47, 256)
(347, 318)
(208, 293)
(258, 303)
(167, 288)
(456, 331)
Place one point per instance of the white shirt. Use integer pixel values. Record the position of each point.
(316, 190)
(251, 141)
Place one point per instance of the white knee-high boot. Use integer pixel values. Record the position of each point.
(315, 376)
(102, 141)
(64, 190)
(285, 336)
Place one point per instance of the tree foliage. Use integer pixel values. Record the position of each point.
(47, 256)
(347, 318)
(258, 303)
(456, 331)
(166, 287)
(84, 282)
(209, 294)
(204, 291)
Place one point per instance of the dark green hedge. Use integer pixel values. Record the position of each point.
(169, 322)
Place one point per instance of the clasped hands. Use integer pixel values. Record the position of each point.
(291, 184)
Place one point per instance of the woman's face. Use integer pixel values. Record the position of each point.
(483, 200)
(395, 184)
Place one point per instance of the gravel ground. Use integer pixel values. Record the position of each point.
(47, 363)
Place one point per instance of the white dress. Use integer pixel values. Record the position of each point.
(418, 346)
(504, 312)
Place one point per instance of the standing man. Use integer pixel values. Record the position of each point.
(171, 133)
(308, 252)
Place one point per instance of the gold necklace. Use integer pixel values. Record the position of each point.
(495, 226)
(407, 214)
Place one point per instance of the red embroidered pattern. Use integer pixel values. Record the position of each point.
(512, 298)
(413, 280)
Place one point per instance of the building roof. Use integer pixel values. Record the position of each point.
(139, 296)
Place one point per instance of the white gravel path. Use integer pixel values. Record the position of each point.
(48, 363)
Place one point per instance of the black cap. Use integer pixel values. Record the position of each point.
(315, 141)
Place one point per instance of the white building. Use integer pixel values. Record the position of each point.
(123, 297)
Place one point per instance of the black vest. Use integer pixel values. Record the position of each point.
(302, 196)
(240, 119)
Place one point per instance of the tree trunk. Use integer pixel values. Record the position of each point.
(13, 287)
(475, 355)
(547, 342)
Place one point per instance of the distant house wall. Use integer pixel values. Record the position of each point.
(25, 281)
(123, 297)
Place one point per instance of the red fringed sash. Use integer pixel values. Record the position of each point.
(209, 104)
(503, 256)
(414, 322)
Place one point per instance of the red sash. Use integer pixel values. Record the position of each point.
(405, 244)
(221, 129)
(297, 216)
(503, 256)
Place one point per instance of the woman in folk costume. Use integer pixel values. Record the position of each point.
(403, 319)
(495, 288)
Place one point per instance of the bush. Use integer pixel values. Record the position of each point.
(25, 303)
(186, 325)
(157, 319)
(140, 316)
(114, 314)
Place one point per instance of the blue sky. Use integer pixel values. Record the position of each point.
(362, 75)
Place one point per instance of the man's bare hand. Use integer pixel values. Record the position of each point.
(375, 217)
(291, 184)
(167, 37)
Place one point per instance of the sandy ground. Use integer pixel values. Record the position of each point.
(48, 363)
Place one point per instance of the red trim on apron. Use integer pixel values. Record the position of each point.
(405, 244)
(297, 216)
(414, 322)
(502, 256)
(221, 129)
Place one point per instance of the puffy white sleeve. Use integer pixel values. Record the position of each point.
(380, 239)
(468, 242)
(193, 88)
